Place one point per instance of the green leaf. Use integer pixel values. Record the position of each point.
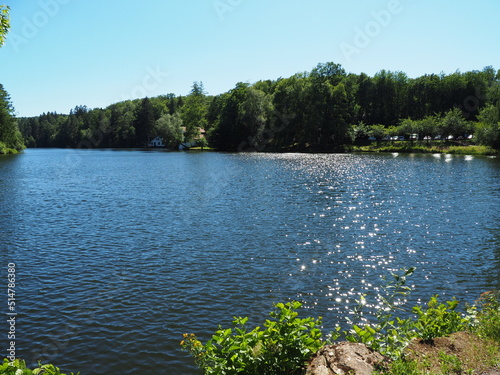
(371, 330)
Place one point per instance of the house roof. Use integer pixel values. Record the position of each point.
(201, 130)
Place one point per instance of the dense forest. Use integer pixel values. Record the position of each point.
(11, 140)
(321, 110)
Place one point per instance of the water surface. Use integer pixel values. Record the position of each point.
(120, 252)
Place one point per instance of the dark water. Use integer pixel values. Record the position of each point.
(118, 253)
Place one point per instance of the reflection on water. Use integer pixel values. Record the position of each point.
(121, 252)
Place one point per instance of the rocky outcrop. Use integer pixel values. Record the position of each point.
(344, 358)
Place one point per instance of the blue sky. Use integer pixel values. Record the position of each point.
(63, 53)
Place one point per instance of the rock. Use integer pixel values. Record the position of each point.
(344, 358)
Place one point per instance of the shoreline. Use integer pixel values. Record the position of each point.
(452, 149)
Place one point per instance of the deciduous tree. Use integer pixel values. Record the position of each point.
(4, 23)
(194, 112)
(10, 136)
(168, 127)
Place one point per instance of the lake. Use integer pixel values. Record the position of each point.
(120, 252)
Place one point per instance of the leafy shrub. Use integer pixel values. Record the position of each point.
(438, 320)
(487, 317)
(283, 347)
(288, 342)
(390, 334)
(18, 367)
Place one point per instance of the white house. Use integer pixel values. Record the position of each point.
(156, 142)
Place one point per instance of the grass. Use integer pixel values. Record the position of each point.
(424, 147)
(460, 353)
(475, 351)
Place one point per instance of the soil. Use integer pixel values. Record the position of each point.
(474, 354)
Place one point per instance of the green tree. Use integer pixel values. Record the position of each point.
(378, 132)
(361, 131)
(122, 120)
(11, 139)
(144, 122)
(409, 127)
(30, 129)
(387, 97)
(244, 117)
(391, 131)
(4, 23)
(325, 114)
(364, 98)
(213, 112)
(488, 128)
(68, 135)
(454, 123)
(169, 128)
(194, 112)
(254, 113)
(430, 126)
(331, 72)
(227, 134)
(289, 103)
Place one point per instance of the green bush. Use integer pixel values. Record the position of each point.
(390, 334)
(487, 316)
(283, 347)
(438, 320)
(18, 367)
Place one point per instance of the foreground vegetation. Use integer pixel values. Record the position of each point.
(410, 339)
(431, 339)
(18, 367)
(475, 350)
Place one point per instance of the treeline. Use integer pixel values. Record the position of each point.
(319, 110)
(11, 139)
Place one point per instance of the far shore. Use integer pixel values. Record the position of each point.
(381, 147)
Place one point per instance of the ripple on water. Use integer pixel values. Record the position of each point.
(120, 253)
